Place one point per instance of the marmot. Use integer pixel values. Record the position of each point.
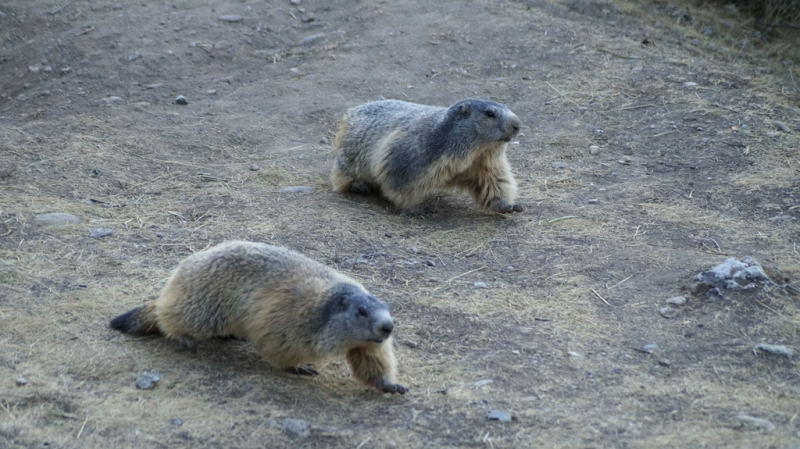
(409, 151)
(294, 309)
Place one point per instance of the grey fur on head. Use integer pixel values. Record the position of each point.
(351, 316)
(408, 151)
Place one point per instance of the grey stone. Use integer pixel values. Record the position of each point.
(773, 349)
(296, 189)
(649, 348)
(176, 422)
(782, 126)
(677, 300)
(296, 427)
(690, 84)
(254, 167)
(593, 201)
(147, 381)
(312, 38)
(734, 274)
(56, 219)
(760, 423)
(98, 233)
(594, 149)
(559, 165)
(21, 381)
(480, 284)
(181, 100)
(113, 99)
(294, 2)
(231, 18)
(483, 382)
(667, 312)
(324, 140)
(499, 415)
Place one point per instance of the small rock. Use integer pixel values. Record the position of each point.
(324, 140)
(21, 381)
(34, 68)
(311, 39)
(690, 84)
(147, 381)
(134, 57)
(664, 362)
(294, 2)
(153, 85)
(296, 189)
(98, 233)
(782, 126)
(625, 161)
(176, 422)
(773, 349)
(480, 284)
(677, 300)
(56, 219)
(64, 70)
(760, 423)
(593, 201)
(255, 167)
(430, 263)
(733, 274)
(499, 415)
(211, 91)
(483, 382)
(112, 99)
(231, 18)
(181, 100)
(307, 18)
(296, 427)
(575, 355)
(594, 149)
(47, 69)
(559, 165)
(667, 312)
(649, 348)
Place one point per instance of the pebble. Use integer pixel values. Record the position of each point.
(21, 381)
(782, 126)
(112, 99)
(56, 219)
(134, 57)
(153, 85)
(324, 140)
(64, 70)
(483, 382)
(593, 201)
(296, 427)
(649, 348)
(294, 2)
(773, 349)
(559, 165)
(211, 91)
(255, 167)
(664, 362)
(480, 284)
(667, 312)
(34, 68)
(311, 39)
(147, 381)
(677, 300)
(576, 355)
(594, 149)
(181, 100)
(625, 161)
(498, 415)
(176, 421)
(296, 189)
(98, 233)
(231, 18)
(690, 84)
(761, 423)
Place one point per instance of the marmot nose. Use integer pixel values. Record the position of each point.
(386, 328)
(514, 126)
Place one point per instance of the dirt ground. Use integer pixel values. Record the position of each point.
(658, 140)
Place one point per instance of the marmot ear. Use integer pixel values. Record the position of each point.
(463, 110)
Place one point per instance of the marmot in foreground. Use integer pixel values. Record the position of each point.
(409, 151)
(295, 310)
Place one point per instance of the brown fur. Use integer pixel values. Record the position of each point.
(273, 297)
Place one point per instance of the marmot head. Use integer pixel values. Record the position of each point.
(352, 317)
(486, 120)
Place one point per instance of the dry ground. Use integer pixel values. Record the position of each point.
(683, 176)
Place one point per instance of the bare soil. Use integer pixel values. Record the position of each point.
(652, 149)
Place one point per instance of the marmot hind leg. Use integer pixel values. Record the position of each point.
(376, 367)
(342, 182)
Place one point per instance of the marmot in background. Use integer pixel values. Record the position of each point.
(409, 151)
(295, 310)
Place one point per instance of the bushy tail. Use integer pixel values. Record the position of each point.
(139, 321)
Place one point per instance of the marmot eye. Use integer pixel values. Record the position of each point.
(362, 311)
(490, 113)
